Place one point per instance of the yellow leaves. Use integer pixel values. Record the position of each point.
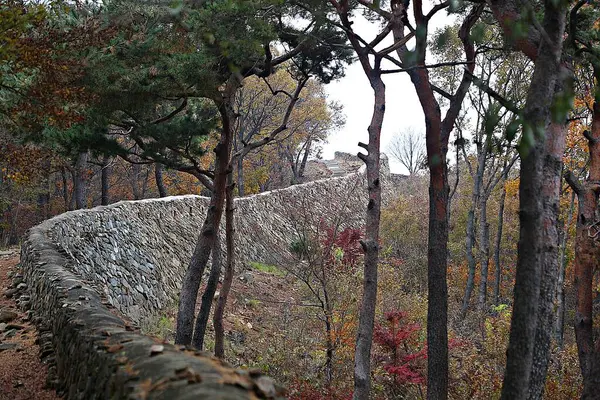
(512, 187)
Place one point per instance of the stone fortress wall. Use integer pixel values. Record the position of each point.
(130, 257)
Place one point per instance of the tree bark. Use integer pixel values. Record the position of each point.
(484, 251)
(79, 181)
(160, 183)
(207, 297)
(470, 244)
(531, 211)
(44, 195)
(498, 266)
(302, 167)
(135, 185)
(587, 253)
(210, 228)
(364, 337)
(329, 342)
(240, 176)
(560, 285)
(552, 178)
(229, 271)
(437, 133)
(65, 189)
(104, 178)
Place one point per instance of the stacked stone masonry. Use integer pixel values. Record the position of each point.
(86, 268)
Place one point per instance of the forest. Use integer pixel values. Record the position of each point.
(477, 280)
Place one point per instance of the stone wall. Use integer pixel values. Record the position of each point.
(85, 268)
(135, 252)
(99, 355)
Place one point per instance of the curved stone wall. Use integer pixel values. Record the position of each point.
(86, 268)
(99, 355)
(135, 252)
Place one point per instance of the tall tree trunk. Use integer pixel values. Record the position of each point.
(104, 177)
(160, 183)
(484, 251)
(560, 285)
(497, 262)
(210, 228)
(587, 253)
(531, 211)
(79, 181)
(437, 133)
(229, 271)
(207, 297)
(364, 337)
(437, 260)
(552, 178)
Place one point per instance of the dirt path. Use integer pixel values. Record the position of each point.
(22, 374)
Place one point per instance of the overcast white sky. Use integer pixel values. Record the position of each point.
(354, 92)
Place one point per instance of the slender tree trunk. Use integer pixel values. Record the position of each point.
(72, 197)
(240, 176)
(364, 337)
(484, 251)
(160, 183)
(210, 228)
(552, 178)
(476, 201)
(44, 195)
(560, 286)
(531, 211)
(145, 181)
(135, 184)
(104, 177)
(498, 271)
(294, 168)
(207, 297)
(470, 244)
(328, 348)
(302, 167)
(65, 189)
(229, 271)
(79, 182)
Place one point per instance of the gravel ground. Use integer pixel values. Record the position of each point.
(22, 374)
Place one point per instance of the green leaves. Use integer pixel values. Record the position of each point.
(479, 32)
(492, 118)
(456, 6)
(561, 106)
(442, 38)
(512, 129)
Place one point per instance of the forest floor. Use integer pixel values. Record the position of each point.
(22, 374)
(262, 302)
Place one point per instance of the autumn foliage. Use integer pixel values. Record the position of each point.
(398, 339)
